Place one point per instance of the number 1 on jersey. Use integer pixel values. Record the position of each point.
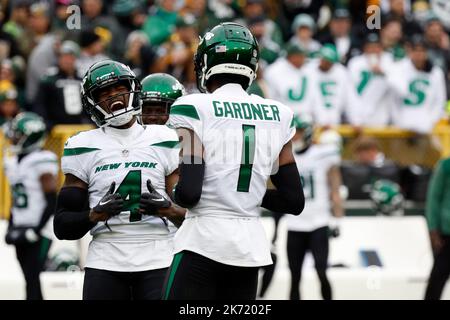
(248, 155)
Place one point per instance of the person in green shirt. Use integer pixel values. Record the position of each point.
(438, 219)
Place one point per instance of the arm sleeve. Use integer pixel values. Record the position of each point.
(50, 199)
(288, 197)
(71, 220)
(189, 187)
(434, 197)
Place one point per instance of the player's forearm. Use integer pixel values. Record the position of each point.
(176, 215)
(50, 198)
(288, 197)
(72, 218)
(189, 187)
(337, 206)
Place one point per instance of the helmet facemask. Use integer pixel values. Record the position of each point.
(103, 113)
(155, 111)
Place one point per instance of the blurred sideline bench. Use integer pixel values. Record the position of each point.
(391, 140)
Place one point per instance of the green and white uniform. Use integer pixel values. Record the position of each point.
(313, 166)
(28, 197)
(127, 157)
(242, 136)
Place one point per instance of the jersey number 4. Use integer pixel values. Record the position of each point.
(130, 190)
(248, 155)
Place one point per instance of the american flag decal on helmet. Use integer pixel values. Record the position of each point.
(220, 49)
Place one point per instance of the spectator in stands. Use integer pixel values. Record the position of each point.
(339, 34)
(58, 100)
(289, 9)
(8, 45)
(438, 43)
(43, 56)
(92, 51)
(391, 37)
(39, 21)
(397, 10)
(304, 28)
(9, 107)
(139, 55)
(104, 25)
(17, 24)
(255, 9)
(438, 218)
(160, 24)
(130, 14)
(204, 17)
(60, 17)
(333, 95)
(419, 88)
(177, 54)
(287, 80)
(368, 72)
(367, 152)
(269, 50)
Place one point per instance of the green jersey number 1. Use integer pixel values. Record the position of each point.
(248, 155)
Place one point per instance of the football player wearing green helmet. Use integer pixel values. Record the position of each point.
(159, 92)
(318, 165)
(117, 181)
(32, 174)
(231, 141)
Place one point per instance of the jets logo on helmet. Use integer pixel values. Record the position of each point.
(228, 48)
(104, 74)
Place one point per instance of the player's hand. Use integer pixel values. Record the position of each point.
(151, 202)
(110, 205)
(21, 236)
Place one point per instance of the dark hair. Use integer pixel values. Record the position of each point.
(224, 78)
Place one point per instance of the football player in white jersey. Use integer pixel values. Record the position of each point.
(319, 169)
(31, 173)
(159, 92)
(116, 179)
(232, 142)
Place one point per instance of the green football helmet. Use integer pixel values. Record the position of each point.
(304, 124)
(26, 131)
(159, 92)
(387, 197)
(228, 48)
(104, 74)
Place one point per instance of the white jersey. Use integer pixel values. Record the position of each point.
(28, 197)
(242, 136)
(289, 85)
(313, 166)
(128, 157)
(374, 92)
(420, 96)
(333, 95)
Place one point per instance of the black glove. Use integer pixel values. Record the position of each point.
(18, 236)
(151, 202)
(111, 203)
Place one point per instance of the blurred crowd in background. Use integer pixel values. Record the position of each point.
(319, 57)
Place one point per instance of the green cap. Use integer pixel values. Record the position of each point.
(329, 52)
(294, 48)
